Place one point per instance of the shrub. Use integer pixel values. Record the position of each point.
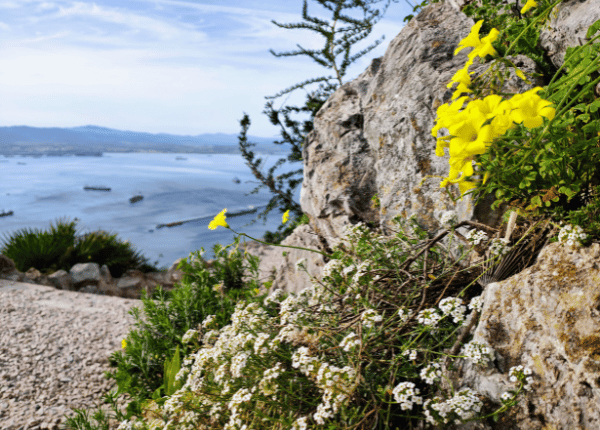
(60, 248)
(162, 323)
(359, 349)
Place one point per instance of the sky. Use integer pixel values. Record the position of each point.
(160, 66)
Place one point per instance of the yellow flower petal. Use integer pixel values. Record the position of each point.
(124, 343)
(219, 220)
(528, 5)
(286, 216)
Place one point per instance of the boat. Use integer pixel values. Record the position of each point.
(236, 180)
(180, 158)
(19, 162)
(96, 188)
(135, 199)
(9, 213)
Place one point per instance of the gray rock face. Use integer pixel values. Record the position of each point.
(568, 27)
(373, 135)
(6, 264)
(545, 318)
(283, 271)
(61, 280)
(85, 272)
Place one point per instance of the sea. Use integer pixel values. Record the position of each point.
(186, 190)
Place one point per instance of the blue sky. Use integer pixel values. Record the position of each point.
(159, 66)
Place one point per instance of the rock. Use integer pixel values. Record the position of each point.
(6, 264)
(85, 272)
(282, 270)
(568, 27)
(34, 276)
(544, 318)
(61, 280)
(373, 135)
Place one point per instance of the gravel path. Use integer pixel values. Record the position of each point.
(54, 348)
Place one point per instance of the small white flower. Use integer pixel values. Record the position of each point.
(370, 317)
(479, 353)
(430, 373)
(189, 336)
(448, 218)
(476, 236)
(406, 394)
(208, 321)
(349, 342)
(429, 317)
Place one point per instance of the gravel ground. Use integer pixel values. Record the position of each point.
(54, 348)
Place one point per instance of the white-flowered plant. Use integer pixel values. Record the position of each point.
(476, 236)
(571, 235)
(370, 317)
(478, 353)
(453, 306)
(431, 373)
(448, 218)
(327, 349)
(190, 336)
(499, 246)
(406, 394)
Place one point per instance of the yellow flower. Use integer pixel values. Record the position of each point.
(219, 220)
(286, 216)
(472, 40)
(528, 5)
(485, 47)
(124, 343)
(520, 74)
(529, 108)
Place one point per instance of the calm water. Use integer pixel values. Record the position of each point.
(42, 190)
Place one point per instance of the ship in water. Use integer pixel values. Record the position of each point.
(9, 213)
(180, 158)
(96, 188)
(135, 199)
(236, 180)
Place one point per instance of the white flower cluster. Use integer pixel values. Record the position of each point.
(517, 372)
(430, 373)
(448, 218)
(499, 247)
(349, 342)
(266, 384)
(259, 349)
(238, 363)
(189, 336)
(406, 394)
(370, 317)
(300, 424)
(332, 266)
(453, 306)
(479, 353)
(404, 314)
(476, 236)
(412, 353)
(571, 236)
(208, 321)
(274, 297)
(476, 303)
(429, 317)
(465, 404)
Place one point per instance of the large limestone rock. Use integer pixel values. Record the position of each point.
(568, 27)
(85, 273)
(284, 271)
(546, 318)
(373, 135)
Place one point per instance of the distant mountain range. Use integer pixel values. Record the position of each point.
(93, 139)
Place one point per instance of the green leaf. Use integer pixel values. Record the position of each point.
(593, 29)
(595, 105)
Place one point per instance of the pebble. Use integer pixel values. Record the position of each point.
(54, 349)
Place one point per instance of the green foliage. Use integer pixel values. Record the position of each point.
(140, 367)
(170, 384)
(283, 354)
(60, 248)
(545, 168)
(520, 32)
(339, 41)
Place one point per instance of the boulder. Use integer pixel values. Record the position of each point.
(61, 280)
(544, 318)
(6, 264)
(34, 276)
(88, 273)
(568, 26)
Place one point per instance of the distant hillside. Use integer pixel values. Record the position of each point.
(94, 138)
